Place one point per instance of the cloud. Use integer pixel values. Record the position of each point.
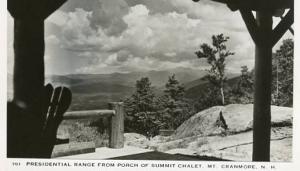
(59, 18)
(10, 50)
(52, 39)
(77, 31)
(149, 35)
(170, 54)
(99, 36)
(104, 36)
(134, 64)
(106, 13)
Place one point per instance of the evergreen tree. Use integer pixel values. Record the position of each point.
(208, 98)
(245, 83)
(141, 109)
(176, 108)
(242, 92)
(282, 86)
(216, 56)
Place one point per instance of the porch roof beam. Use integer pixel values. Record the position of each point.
(256, 5)
(284, 25)
(251, 24)
(33, 9)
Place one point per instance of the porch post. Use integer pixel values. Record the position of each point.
(29, 62)
(262, 95)
(25, 115)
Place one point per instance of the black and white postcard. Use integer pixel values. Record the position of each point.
(149, 85)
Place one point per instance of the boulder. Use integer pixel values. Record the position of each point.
(136, 140)
(234, 118)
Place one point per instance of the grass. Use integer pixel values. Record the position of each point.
(82, 131)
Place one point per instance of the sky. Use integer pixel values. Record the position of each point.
(106, 36)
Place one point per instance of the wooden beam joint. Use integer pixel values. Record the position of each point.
(251, 25)
(33, 9)
(284, 25)
(255, 31)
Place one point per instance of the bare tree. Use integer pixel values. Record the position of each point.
(215, 56)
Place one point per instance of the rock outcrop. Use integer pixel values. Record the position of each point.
(226, 132)
(238, 118)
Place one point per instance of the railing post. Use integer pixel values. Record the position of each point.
(116, 137)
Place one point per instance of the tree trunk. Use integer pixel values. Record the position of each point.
(277, 83)
(222, 96)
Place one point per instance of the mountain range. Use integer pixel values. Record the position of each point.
(94, 91)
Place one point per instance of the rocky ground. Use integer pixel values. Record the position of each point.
(227, 135)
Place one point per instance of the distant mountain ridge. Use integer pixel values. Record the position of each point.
(201, 80)
(157, 78)
(94, 91)
(197, 87)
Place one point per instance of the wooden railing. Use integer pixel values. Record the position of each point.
(115, 114)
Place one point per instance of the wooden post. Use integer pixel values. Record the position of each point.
(262, 95)
(29, 62)
(25, 113)
(116, 138)
(265, 38)
(29, 49)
